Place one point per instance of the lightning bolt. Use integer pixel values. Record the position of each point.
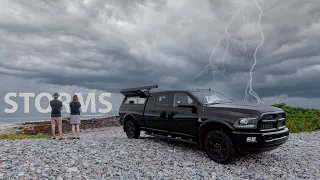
(249, 86)
(243, 36)
(211, 62)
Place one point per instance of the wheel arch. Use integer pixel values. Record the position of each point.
(211, 125)
(126, 118)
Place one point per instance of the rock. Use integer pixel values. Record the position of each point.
(85, 164)
(109, 154)
(213, 175)
(73, 169)
(188, 163)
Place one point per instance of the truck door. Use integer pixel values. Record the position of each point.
(183, 120)
(156, 112)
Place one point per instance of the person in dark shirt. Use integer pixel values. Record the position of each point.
(75, 108)
(56, 106)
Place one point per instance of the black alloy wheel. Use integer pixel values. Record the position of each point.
(219, 147)
(132, 130)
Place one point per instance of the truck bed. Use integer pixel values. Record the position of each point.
(136, 110)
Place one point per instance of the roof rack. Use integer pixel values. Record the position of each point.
(209, 89)
(140, 88)
(138, 91)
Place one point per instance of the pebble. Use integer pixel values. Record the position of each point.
(109, 154)
(73, 169)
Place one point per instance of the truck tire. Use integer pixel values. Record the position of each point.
(132, 130)
(219, 147)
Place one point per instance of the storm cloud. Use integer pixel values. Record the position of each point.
(110, 45)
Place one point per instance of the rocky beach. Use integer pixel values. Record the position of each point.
(104, 152)
(44, 127)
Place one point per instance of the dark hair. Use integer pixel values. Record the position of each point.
(75, 98)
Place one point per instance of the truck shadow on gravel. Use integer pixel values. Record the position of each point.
(183, 146)
(168, 142)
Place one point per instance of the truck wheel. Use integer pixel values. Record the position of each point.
(132, 129)
(219, 147)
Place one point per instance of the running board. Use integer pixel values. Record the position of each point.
(166, 137)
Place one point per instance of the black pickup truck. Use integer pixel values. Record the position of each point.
(212, 121)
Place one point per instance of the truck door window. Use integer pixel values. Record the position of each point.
(163, 100)
(135, 100)
(183, 98)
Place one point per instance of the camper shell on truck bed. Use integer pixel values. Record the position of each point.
(208, 119)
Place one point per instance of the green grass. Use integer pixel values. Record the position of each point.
(301, 119)
(23, 136)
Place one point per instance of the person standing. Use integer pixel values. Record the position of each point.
(56, 106)
(75, 108)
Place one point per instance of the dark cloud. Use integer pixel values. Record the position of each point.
(117, 44)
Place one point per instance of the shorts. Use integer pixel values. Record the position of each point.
(75, 119)
(57, 120)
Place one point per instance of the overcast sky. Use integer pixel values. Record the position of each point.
(104, 46)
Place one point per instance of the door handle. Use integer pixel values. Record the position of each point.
(153, 111)
(163, 115)
(171, 114)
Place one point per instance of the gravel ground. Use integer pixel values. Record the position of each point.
(107, 154)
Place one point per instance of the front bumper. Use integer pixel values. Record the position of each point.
(263, 141)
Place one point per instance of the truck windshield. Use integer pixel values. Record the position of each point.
(211, 97)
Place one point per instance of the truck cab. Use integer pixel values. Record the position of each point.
(208, 119)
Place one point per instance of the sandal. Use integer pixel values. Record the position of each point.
(61, 138)
(53, 138)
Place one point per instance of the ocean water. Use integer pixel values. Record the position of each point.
(18, 118)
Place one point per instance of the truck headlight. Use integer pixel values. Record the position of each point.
(246, 123)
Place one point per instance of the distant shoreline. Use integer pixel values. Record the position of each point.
(36, 127)
(18, 120)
